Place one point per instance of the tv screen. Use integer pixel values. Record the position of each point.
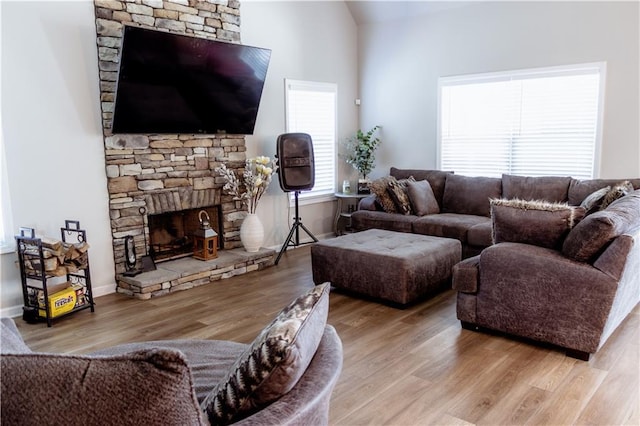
(171, 83)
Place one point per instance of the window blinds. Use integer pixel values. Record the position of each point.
(311, 108)
(534, 122)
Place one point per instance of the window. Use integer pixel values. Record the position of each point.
(311, 108)
(7, 242)
(532, 122)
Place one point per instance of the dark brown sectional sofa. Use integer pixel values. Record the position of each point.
(572, 289)
(464, 203)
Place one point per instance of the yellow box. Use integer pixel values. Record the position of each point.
(60, 302)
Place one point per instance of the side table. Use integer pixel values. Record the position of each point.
(340, 213)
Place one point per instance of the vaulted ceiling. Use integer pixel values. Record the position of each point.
(366, 12)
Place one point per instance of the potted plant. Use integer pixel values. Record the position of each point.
(360, 154)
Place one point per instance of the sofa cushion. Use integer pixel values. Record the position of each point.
(593, 201)
(448, 225)
(480, 235)
(272, 365)
(421, 198)
(539, 223)
(547, 188)
(144, 387)
(592, 235)
(380, 188)
(470, 195)
(362, 220)
(436, 179)
(398, 192)
(579, 189)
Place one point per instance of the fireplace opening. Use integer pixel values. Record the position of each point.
(171, 234)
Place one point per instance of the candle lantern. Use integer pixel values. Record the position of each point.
(205, 239)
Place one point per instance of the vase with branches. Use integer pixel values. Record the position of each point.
(255, 180)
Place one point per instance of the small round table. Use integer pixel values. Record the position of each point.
(340, 196)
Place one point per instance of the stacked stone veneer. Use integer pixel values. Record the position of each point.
(150, 174)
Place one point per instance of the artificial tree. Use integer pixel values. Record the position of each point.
(361, 155)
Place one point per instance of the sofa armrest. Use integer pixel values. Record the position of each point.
(538, 293)
(613, 259)
(465, 275)
(368, 203)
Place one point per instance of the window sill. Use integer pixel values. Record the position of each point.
(321, 198)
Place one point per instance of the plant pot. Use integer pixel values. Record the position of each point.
(363, 186)
(251, 233)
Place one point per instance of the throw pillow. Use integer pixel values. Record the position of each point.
(379, 187)
(422, 199)
(398, 192)
(274, 362)
(591, 236)
(436, 178)
(146, 387)
(539, 223)
(593, 201)
(617, 191)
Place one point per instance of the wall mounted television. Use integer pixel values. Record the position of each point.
(173, 83)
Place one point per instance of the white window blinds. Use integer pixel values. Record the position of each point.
(311, 108)
(533, 122)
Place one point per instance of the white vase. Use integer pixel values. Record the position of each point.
(251, 233)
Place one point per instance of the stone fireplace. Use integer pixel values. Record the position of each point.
(157, 181)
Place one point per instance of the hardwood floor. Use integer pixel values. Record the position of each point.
(401, 367)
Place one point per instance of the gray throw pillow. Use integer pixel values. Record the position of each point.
(272, 365)
(423, 201)
(537, 223)
(593, 201)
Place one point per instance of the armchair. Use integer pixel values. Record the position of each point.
(574, 295)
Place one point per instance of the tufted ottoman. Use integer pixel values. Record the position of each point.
(394, 266)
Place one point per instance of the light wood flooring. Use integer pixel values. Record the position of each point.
(401, 367)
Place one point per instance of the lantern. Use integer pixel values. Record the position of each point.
(205, 239)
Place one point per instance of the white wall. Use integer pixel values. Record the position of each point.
(51, 116)
(52, 133)
(314, 41)
(400, 63)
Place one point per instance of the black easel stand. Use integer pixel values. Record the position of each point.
(297, 224)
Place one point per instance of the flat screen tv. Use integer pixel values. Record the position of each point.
(172, 83)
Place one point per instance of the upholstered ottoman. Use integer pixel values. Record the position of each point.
(394, 266)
